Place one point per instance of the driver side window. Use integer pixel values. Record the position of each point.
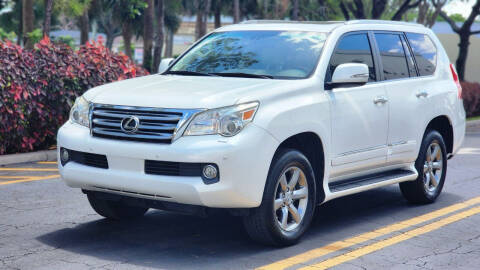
(353, 48)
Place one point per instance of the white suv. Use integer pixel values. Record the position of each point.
(269, 119)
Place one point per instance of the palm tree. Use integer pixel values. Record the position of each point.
(28, 17)
(148, 35)
(159, 35)
(48, 17)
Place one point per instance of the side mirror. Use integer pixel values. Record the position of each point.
(350, 74)
(164, 64)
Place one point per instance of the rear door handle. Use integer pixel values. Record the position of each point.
(380, 99)
(422, 94)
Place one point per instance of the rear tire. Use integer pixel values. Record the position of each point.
(431, 166)
(117, 210)
(288, 202)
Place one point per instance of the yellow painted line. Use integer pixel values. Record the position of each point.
(392, 241)
(29, 169)
(30, 179)
(12, 177)
(47, 162)
(364, 237)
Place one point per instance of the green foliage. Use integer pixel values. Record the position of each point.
(72, 8)
(68, 40)
(7, 35)
(36, 35)
(457, 17)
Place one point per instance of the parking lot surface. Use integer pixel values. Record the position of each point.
(46, 225)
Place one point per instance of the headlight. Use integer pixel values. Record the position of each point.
(228, 121)
(79, 112)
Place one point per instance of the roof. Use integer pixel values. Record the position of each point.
(324, 26)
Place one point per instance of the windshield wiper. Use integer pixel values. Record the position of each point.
(244, 75)
(188, 73)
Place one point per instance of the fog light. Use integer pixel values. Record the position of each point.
(210, 172)
(64, 156)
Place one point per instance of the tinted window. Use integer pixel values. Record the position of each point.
(392, 55)
(411, 64)
(353, 49)
(425, 53)
(281, 54)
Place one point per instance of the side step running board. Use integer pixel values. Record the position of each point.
(372, 180)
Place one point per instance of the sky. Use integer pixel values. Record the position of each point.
(463, 7)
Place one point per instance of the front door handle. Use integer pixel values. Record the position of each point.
(422, 94)
(380, 99)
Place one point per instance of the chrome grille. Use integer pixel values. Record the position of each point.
(155, 124)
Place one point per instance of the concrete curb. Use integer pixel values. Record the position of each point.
(46, 155)
(473, 124)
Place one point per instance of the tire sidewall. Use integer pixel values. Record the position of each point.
(284, 160)
(430, 137)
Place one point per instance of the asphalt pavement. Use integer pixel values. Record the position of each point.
(46, 225)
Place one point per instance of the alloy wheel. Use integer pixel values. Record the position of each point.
(291, 198)
(433, 167)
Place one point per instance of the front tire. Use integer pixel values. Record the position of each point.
(116, 210)
(288, 202)
(431, 165)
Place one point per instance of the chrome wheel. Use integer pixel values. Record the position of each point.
(433, 167)
(291, 198)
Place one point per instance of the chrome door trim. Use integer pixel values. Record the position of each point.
(362, 150)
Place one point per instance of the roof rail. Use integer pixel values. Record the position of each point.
(292, 22)
(383, 22)
(334, 22)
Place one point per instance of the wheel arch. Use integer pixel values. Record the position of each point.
(311, 145)
(444, 126)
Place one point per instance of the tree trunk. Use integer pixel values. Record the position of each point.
(357, 9)
(344, 10)
(157, 51)
(110, 39)
(295, 10)
(127, 38)
(27, 21)
(206, 11)
(84, 27)
(462, 54)
(148, 36)
(169, 44)
(199, 19)
(48, 17)
(378, 8)
(236, 11)
(218, 14)
(266, 4)
(422, 12)
(20, 25)
(404, 8)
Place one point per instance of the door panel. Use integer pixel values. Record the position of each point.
(404, 90)
(359, 126)
(359, 116)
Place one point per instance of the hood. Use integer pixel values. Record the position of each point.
(182, 92)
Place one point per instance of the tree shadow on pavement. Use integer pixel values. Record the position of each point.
(174, 241)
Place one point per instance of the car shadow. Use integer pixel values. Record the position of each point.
(173, 241)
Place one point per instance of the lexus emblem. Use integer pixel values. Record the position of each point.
(130, 124)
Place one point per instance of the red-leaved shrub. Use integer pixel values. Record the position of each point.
(38, 87)
(471, 98)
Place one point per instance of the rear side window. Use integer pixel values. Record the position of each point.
(425, 53)
(354, 48)
(393, 56)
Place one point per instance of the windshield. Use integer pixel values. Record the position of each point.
(269, 54)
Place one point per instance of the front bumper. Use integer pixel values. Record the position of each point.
(243, 162)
